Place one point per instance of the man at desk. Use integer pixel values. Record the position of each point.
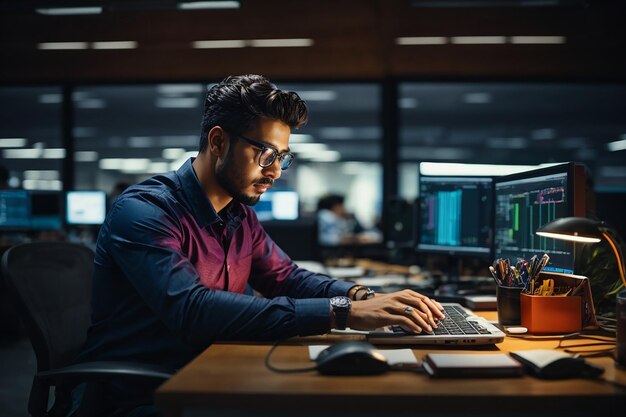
(177, 251)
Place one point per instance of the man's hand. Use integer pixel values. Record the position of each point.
(412, 310)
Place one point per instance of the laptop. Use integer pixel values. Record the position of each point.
(460, 327)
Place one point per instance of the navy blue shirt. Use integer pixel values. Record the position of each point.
(170, 275)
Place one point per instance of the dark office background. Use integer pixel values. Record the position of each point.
(89, 100)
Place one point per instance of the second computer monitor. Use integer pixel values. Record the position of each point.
(456, 215)
(527, 201)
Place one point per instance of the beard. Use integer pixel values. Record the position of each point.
(233, 182)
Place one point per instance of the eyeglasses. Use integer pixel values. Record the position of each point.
(268, 155)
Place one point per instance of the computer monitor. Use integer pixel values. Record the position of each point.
(456, 215)
(278, 205)
(528, 200)
(45, 210)
(85, 207)
(14, 210)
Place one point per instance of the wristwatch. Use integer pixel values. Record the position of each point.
(369, 293)
(341, 308)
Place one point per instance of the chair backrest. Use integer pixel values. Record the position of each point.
(51, 283)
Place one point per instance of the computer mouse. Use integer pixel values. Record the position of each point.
(351, 358)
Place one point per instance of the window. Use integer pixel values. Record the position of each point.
(512, 124)
(31, 137)
(124, 134)
(339, 150)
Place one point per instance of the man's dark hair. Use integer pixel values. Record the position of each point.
(329, 201)
(238, 102)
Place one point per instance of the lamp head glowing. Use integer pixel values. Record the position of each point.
(582, 229)
(576, 229)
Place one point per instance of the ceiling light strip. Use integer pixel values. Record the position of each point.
(55, 46)
(477, 40)
(537, 40)
(480, 40)
(114, 45)
(86, 45)
(258, 43)
(197, 5)
(12, 142)
(70, 11)
(618, 145)
(280, 43)
(422, 40)
(219, 44)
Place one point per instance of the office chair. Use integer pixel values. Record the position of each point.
(51, 284)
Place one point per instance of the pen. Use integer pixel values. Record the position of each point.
(507, 271)
(544, 261)
(494, 275)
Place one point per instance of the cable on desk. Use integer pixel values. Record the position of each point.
(283, 370)
(607, 323)
(591, 346)
(542, 337)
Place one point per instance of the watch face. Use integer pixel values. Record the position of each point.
(340, 302)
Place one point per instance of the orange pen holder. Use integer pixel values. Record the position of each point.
(551, 314)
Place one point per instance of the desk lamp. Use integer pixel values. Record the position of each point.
(582, 229)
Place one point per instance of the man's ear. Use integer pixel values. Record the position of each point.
(217, 141)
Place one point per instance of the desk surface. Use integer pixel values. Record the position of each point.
(234, 377)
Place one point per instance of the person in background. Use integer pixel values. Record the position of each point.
(176, 252)
(334, 225)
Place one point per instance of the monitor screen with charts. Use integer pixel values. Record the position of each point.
(278, 205)
(85, 207)
(456, 215)
(24, 210)
(528, 200)
(14, 209)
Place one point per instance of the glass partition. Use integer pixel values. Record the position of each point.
(31, 142)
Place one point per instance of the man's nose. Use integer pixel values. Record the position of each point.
(273, 171)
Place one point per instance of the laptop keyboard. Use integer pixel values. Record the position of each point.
(455, 323)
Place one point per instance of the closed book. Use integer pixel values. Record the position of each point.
(459, 365)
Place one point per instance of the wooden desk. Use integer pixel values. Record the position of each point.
(233, 380)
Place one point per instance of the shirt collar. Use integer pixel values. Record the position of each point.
(201, 206)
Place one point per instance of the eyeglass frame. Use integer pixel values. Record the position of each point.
(263, 146)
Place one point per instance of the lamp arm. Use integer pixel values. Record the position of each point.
(618, 254)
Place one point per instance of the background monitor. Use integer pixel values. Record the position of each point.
(85, 207)
(527, 201)
(456, 215)
(278, 205)
(30, 210)
(14, 209)
(45, 210)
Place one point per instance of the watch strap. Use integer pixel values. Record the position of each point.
(341, 312)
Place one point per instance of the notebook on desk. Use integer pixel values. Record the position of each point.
(460, 327)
